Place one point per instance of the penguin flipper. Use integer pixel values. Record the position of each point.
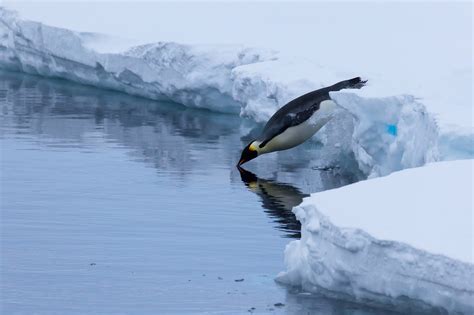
(272, 130)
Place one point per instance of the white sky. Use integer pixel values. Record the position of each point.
(420, 27)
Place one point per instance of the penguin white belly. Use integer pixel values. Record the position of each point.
(298, 134)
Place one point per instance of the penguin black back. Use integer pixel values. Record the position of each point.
(302, 108)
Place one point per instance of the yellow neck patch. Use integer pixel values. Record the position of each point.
(253, 147)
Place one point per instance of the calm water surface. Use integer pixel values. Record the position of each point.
(115, 204)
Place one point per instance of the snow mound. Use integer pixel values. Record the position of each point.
(390, 240)
(385, 134)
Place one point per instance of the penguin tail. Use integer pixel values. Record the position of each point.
(354, 83)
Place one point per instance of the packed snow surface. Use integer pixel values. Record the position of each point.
(384, 133)
(408, 234)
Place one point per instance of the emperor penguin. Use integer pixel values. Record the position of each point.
(297, 121)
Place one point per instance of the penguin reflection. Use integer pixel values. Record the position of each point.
(278, 199)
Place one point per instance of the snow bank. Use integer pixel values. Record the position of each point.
(404, 237)
(193, 76)
(385, 134)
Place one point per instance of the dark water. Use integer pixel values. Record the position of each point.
(115, 204)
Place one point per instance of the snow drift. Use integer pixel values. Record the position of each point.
(390, 240)
(234, 79)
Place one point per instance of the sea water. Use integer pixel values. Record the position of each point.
(112, 204)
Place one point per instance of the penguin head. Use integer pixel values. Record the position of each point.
(248, 153)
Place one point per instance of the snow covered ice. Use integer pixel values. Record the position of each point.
(408, 234)
(235, 79)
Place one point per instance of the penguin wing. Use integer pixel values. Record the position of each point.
(292, 114)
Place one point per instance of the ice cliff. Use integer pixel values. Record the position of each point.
(403, 241)
(193, 76)
(384, 133)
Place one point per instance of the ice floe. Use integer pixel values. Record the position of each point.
(406, 237)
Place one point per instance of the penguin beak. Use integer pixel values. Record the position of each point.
(242, 161)
(247, 155)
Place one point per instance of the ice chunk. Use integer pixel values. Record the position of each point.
(390, 133)
(406, 236)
